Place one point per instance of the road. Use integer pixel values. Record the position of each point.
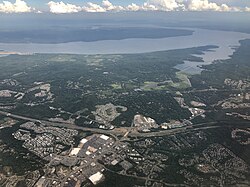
(112, 133)
(129, 133)
(56, 124)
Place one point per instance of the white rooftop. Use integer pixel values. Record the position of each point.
(88, 153)
(95, 178)
(84, 140)
(74, 151)
(104, 137)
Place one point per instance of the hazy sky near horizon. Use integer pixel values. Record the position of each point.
(43, 3)
(73, 6)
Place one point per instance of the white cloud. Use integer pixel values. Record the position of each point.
(189, 5)
(110, 7)
(205, 5)
(149, 5)
(107, 3)
(247, 9)
(165, 5)
(92, 7)
(106, 6)
(61, 7)
(18, 7)
(144, 7)
(133, 7)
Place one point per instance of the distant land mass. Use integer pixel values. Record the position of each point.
(64, 35)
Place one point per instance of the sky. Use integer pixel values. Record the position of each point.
(75, 6)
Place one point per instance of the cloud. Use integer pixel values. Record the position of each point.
(149, 5)
(164, 5)
(189, 5)
(61, 7)
(107, 3)
(104, 7)
(92, 7)
(18, 7)
(205, 5)
(133, 7)
(110, 7)
(107, 6)
(247, 9)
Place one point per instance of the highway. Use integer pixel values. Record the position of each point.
(125, 136)
(129, 133)
(56, 124)
(112, 133)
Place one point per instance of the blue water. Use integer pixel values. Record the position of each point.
(201, 37)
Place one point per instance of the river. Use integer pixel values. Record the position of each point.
(226, 41)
